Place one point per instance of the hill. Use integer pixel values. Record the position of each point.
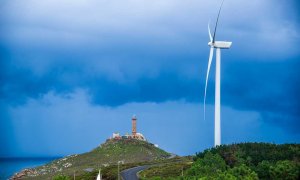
(236, 161)
(106, 156)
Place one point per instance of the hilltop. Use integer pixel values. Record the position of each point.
(129, 151)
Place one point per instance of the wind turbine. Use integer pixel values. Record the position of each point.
(218, 45)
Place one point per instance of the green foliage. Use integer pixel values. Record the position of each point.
(284, 170)
(263, 169)
(213, 166)
(243, 172)
(225, 176)
(251, 161)
(209, 165)
(61, 177)
(253, 153)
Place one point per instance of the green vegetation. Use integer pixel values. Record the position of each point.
(233, 162)
(61, 177)
(267, 161)
(236, 162)
(210, 164)
(131, 152)
(170, 168)
(284, 170)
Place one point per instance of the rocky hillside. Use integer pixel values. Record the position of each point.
(107, 154)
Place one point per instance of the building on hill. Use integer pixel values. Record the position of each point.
(116, 135)
(133, 135)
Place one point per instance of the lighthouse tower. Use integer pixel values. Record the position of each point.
(134, 125)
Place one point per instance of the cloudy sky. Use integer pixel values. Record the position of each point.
(73, 72)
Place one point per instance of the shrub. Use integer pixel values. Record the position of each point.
(210, 165)
(284, 170)
(61, 177)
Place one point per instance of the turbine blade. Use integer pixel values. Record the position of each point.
(209, 33)
(211, 54)
(217, 22)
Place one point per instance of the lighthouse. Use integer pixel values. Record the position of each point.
(134, 135)
(134, 125)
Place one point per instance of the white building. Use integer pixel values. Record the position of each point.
(116, 135)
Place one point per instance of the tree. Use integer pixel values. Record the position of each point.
(263, 170)
(263, 160)
(243, 172)
(284, 170)
(225, 176)
(208, 166)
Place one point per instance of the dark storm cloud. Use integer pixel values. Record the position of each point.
(20, 85)
(165, 87)
(267, 87)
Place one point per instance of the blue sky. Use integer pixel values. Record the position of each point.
(71, 73)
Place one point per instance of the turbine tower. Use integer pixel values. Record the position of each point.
(218, 45)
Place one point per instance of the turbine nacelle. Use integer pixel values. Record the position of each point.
(220, 44)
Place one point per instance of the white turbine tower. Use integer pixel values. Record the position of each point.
(218, 45)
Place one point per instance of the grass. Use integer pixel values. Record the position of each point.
(167, 170)
(132, 152)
